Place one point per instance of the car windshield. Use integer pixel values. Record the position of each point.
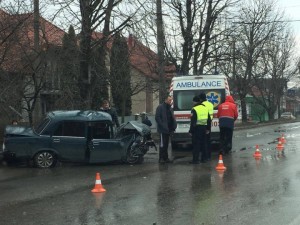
(41, 126)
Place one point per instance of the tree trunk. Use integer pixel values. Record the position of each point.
(243, 108)
(123, 110)
(84, 58)
(160, 51)
(36, 25)
(36, 103)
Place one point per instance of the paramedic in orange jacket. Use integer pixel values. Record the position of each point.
(227, 114)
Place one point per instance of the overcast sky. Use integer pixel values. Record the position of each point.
(292, 9)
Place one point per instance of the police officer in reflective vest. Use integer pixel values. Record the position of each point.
(200, 125)
(210, 107)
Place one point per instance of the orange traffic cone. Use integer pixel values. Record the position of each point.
(98, 185)
(283, 140)
(220, 165)
(279, 146)
(257, 153)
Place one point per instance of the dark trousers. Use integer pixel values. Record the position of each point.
(199, 143)
(208, 144)
(163, 146)
(226, 139)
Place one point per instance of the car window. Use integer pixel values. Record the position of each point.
(42, 125)
(100, 130)
(70, 129)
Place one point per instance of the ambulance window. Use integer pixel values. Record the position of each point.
(184, 100)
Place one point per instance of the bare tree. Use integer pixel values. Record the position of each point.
(13, 40)
(92, 16)
(276, 68)
(160, 50)
(254, 28)
(33, 56)
(200, 22)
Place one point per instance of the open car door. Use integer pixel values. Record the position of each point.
(102, 146)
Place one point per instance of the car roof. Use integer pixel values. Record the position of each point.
(88, 115)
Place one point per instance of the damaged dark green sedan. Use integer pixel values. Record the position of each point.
(77, 136)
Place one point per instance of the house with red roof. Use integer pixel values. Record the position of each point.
(25, 67)
(144, 75)
(144, 69)
(19, 51)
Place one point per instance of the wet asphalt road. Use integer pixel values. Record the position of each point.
(265, 191)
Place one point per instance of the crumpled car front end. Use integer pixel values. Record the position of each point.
(140, 143)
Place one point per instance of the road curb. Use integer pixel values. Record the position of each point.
(241, 126)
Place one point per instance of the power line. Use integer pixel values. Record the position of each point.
(291, 6)
(267, 22)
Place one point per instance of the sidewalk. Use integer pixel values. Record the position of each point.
(249, 125)
(241, 126)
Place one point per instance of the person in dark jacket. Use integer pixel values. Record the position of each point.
(145, 119)
(166, 125)
(105, 107)
(227, 114)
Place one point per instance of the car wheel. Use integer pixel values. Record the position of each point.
(45, 159)
(132, 157)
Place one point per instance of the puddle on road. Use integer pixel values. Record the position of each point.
(261, 147)
(284, 128)
(270, 152)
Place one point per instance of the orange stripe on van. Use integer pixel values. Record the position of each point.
(182, 116)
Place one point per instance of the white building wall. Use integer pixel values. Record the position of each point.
(139, 101)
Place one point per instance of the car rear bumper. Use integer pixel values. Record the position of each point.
(186, 137)
(9, 156)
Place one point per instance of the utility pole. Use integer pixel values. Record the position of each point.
(36, 24)
(160, 51)
(36, 104)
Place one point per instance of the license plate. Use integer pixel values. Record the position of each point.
(183, 125)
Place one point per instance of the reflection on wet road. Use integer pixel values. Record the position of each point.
(250, 191)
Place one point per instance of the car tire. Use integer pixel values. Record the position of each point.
(132, 158)
(9, 162)
(45, 159)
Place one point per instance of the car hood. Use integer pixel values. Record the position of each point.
(13, 130)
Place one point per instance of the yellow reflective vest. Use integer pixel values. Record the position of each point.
(202, 114)
(210, 107)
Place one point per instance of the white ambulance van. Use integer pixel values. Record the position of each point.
(183, 89)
